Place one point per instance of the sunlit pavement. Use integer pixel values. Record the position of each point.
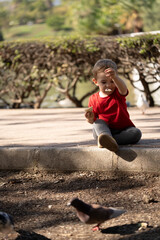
(52, 130)
(66, 127)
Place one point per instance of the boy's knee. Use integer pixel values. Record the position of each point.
(137, 134)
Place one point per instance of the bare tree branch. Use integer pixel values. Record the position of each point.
(89, 93)
(155, 89)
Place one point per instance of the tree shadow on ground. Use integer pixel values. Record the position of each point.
(26, 235)
(91, 182)
(53, 144)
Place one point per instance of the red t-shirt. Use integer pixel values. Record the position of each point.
(112, 109)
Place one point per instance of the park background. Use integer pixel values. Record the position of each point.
(41, 19)
(52, 150)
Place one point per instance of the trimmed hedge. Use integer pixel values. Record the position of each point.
(29, 69)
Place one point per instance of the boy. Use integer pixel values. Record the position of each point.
(110, 118)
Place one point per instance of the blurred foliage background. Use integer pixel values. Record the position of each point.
(41, 19)
(37, 18)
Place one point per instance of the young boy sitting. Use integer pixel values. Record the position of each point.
(111, 122)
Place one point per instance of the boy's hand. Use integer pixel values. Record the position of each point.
(110, 72)
(120, 84)
(89, 114)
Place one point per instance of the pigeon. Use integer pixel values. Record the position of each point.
(142, 103)
(65, 103)
(94, 213)
(6, 223)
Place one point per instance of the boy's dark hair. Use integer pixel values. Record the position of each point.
(103, 64)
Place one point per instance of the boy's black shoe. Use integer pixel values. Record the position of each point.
(106, 141)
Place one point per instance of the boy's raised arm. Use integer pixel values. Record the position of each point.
(120, 84)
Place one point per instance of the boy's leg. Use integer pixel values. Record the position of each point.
(129, 135)
(100, 126)
(103, 133)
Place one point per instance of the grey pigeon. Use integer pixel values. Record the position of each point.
(94, 213)
(6, 223)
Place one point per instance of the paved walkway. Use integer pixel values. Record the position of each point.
(61, 140)
(66, 127)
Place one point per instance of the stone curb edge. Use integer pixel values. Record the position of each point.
(80, 159)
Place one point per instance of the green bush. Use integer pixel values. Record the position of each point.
(56, 22)
(28, 69)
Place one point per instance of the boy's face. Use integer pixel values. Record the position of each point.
(105, 84)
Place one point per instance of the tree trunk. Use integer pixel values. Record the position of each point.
(77, 102)
(146, 90)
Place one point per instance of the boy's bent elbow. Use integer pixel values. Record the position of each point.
(124, 92)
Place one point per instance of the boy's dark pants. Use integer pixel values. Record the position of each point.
(128, 135)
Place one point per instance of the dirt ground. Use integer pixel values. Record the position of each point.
(38, 204)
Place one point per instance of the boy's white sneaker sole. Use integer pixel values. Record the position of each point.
(106, 141)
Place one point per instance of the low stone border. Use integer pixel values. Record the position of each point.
(81, 158)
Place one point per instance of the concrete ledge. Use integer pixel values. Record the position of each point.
(127, 159)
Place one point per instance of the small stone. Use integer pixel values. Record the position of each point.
(148, 199)
(143, 226)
